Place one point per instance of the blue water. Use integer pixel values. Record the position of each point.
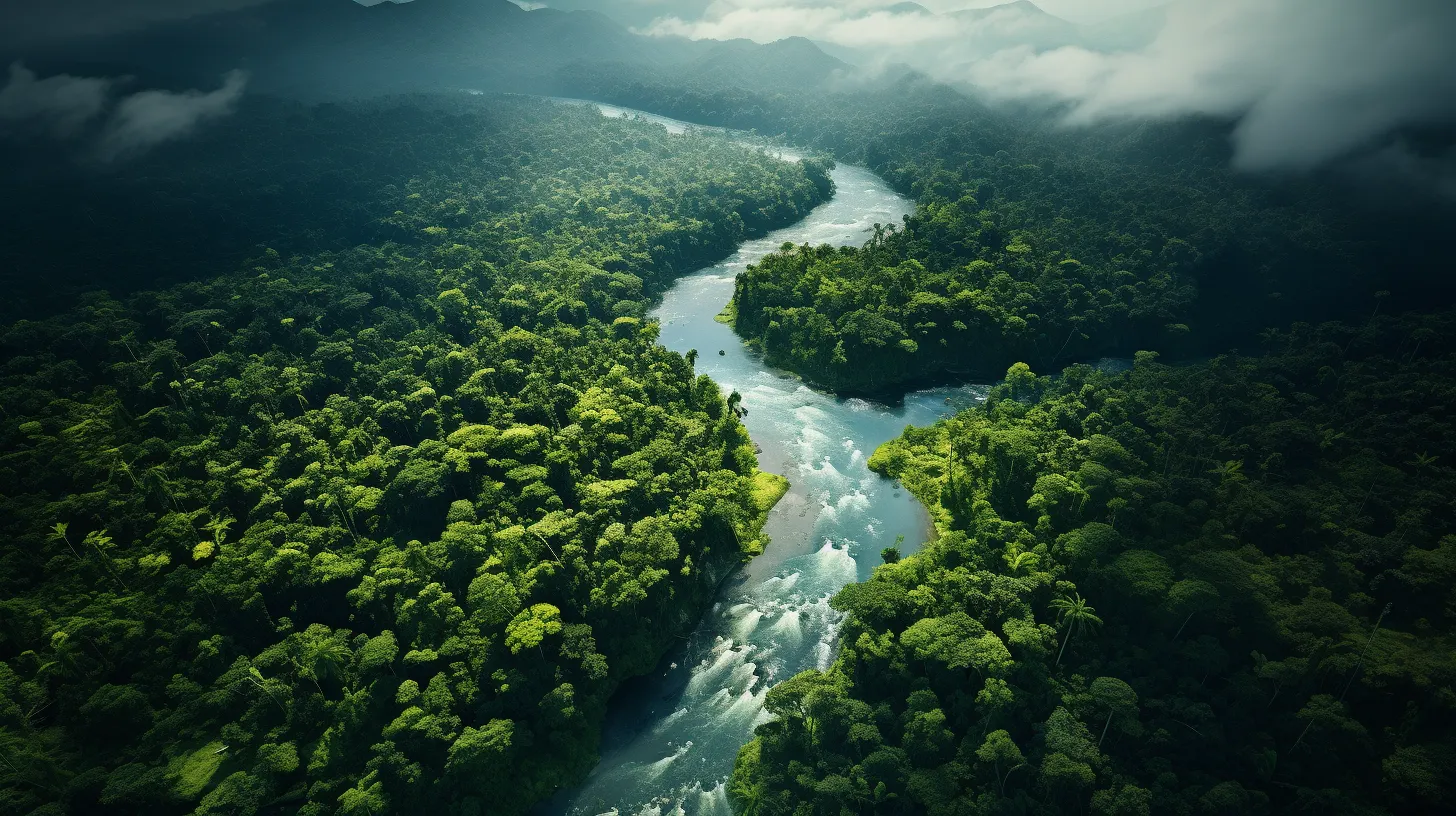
(671, 737)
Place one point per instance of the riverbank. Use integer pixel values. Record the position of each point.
(670, 737)
(768, 489)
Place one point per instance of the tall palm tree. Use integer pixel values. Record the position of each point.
(1074, 613)
(65, 656)
(735, 401)
(328, 500)
(155, 480)
(321, 658)
(1229, 472)
(1424, 460)
(101, 542)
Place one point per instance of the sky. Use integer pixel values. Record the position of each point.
(1308, 82)
(30, 21)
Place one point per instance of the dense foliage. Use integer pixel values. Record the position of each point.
(302, 178)
(1217, 588)
(1034, 243)
(380, 527)
(341, 473)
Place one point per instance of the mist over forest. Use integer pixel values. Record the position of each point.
(753, 407)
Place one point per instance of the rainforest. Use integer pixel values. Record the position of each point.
(767, 409)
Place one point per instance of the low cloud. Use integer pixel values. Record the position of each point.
(61, 105)
(1307, 81)
(1402, 168)
(146, 119)
(84, 110)
(851, 24)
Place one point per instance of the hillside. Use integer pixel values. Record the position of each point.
(338, 48)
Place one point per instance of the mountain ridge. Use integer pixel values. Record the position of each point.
(324, 49)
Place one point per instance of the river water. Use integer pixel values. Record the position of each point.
(671, 737)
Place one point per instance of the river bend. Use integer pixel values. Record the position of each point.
(671, 737)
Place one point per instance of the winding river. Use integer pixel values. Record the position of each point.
(671, 737)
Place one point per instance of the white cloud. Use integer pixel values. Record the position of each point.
(69, 108)
(1398, 166)
(146, 119)
(855, 24)
(60, 105)
(1308, 81)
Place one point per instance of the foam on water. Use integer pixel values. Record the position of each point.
(779, 585)
(747, 706)
(744, 628)
(707, 673)
(742, 677)
(787, 629)
(714, 801)
(809, 414)
(656, 768)
(853, 502)
(827, 472)
(813, 442)
(836, 565)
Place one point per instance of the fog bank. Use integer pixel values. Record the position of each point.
(1307, 81)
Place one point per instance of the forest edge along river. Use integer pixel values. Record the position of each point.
(671, 737)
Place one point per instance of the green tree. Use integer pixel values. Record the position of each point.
(1073, 613)
(532, 626)
(1000, 752)
(1117, 698)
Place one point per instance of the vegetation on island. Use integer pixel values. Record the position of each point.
(1034, 243)
(1223, 587)
(378, 527)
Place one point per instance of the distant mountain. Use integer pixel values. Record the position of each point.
(1021, 23)
(1023, 7)
(906, 8)
(761, 66)
(970, 34)
(320, 49)
(1127, 32)
(636, 13)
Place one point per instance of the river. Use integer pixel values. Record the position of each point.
(671, 737)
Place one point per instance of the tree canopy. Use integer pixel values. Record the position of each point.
(356, 528)
(1236, 601)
